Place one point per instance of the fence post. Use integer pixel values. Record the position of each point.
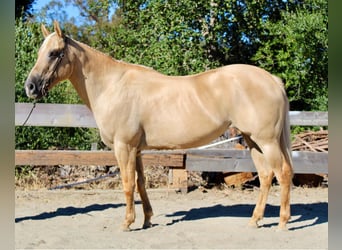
(179, 179)
(93, 146)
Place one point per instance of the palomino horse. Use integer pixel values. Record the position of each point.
(138, 108)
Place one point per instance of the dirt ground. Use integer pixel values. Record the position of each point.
(200, 219)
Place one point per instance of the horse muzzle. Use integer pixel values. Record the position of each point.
(33, 89)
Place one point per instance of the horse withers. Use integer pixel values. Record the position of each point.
(136, 108)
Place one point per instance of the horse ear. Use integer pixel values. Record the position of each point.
(57, 28)
(44, 31)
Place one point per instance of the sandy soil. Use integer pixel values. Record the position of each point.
(90, 219)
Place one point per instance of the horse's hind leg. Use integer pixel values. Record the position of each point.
(284, 177)
(143, 194)
(276, 159)
(273, 162)
(265, 177)
(265, 174)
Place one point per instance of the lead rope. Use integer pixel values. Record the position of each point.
(29, 115)
(45, 86)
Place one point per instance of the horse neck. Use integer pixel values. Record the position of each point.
(91, 68)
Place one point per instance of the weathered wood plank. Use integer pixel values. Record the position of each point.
(196, 160)
(78, 115)
(220, 160)
(310, 162)
(54, 115)
(308, 118)
(75, 157)
(212, 164)
(220, 152)
(240, 161)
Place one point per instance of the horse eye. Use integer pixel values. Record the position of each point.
(53, 53)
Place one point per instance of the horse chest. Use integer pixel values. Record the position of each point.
(115, 125)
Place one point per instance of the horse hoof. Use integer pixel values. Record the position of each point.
(147, 225)
(253, 225)
(125, 228)
(282, 229)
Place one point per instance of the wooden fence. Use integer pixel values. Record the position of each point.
(78, 115)
(179, 161)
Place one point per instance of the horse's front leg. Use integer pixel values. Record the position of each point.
(126, 157)
(143, 194)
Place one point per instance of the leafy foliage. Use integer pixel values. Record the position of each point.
(160, 37)
(297, 51)
(23, 8)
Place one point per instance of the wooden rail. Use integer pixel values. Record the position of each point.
(98, 157)
(219, 160)
(78, 115)
(215, 160)
(227, 160)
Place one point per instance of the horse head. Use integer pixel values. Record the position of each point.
(52, 65)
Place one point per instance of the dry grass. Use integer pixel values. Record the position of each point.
(51, 177)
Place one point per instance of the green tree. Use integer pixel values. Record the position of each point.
(296, 50)
(23, 8)
(161, 37)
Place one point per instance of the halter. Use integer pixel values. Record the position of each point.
(46, 84)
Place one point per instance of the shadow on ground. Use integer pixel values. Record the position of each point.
(306, 212)
(69, 211)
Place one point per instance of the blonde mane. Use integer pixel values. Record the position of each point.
(112, 58)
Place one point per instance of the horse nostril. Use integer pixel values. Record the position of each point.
(31, 86)
(31, 89)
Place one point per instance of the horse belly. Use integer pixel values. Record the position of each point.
(184, 117)
(177, 134)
